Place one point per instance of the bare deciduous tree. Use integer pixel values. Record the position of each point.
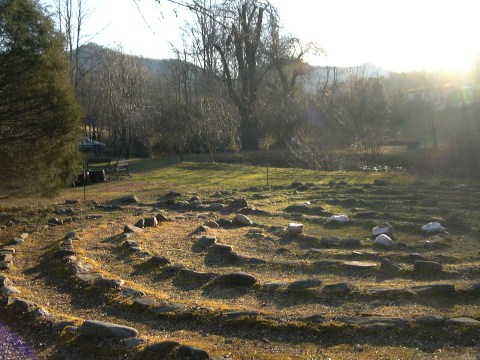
(71, 16)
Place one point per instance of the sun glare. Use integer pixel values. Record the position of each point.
(407, 35)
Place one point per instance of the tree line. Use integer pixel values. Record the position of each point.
(239, 81)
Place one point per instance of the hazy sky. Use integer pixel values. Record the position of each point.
(399, 35)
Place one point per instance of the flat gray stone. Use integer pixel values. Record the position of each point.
(387, 291)
(110, 283)
(211, 224)
(132, 229)
(161, 218)
(462, 321)
(430, 320)
(89, 277)
(17, 241)
(129, 200)
(374, 322)
(221, 249)
(169, 308)
(81, 268)
(206, 241)
(237, 279)
(160, 260)
(225, 223)
(328, 263)
(239, 203)
(435, 289)
(339, 288)
(145, 301)
(304, 284)
(106, 330)
(383, 229)
(216, 207)
(9, 290)
(423, 267)
(133, 293)
(388, 266)
(301, 208)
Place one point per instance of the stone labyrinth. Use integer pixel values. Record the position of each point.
(298, 271)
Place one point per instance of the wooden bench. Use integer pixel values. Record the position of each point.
(120, 168)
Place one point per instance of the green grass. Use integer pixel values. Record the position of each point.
(153, 177)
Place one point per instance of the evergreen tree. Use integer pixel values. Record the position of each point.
(39, 115)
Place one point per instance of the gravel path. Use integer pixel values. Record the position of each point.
(12, 347)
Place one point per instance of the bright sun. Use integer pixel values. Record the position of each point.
(436, 35)
(400, 35)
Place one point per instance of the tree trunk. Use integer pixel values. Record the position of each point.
(249, 128)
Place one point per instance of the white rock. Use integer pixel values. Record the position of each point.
(433, 228)
(384, 240)
(338, 219)
(385, 229)
(294, 228)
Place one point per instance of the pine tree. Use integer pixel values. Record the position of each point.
(39, 115)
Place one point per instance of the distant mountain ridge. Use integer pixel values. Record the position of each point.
(316, 74)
